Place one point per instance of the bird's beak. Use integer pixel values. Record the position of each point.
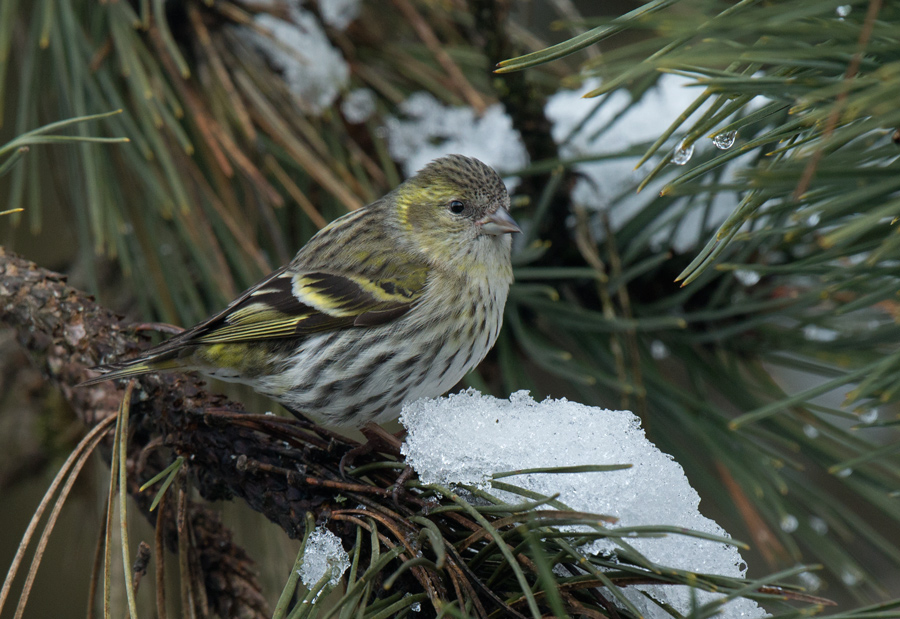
(498, 222)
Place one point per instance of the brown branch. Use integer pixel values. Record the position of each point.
(434, 45)
(865, 34)
(66, 332)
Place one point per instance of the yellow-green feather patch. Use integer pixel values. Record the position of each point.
(246, 359)
(285, 326)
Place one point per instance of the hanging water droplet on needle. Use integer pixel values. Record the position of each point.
(724, 141)
(683, 153)
(810, 581)
(789, 523)
(818, 525)
(747, 277)
(870, 416)
(658, 350)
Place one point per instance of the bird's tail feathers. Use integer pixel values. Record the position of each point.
(134, 367)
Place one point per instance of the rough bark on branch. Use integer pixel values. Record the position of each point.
(263, 460)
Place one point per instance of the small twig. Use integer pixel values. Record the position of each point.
(631, 339)
(95, 569)
(122, 430)
(797, 596)
(160, 546)
(457, 588)
(473, 579)
(67, 473)
(295, 192)
(865, 34)
(52, 519)
(587, 247)
(611, 609)
(279, 427)
(158, 327)
(108, 538)
(425, 578)
(101, 55)
(764, 540)
(294, 478)
(211, 53)
(198, 590)
(184, 564)
(139, 569)
(472, 96)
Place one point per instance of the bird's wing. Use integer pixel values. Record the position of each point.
(294, 303)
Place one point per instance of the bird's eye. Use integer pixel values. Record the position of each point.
(457, 207)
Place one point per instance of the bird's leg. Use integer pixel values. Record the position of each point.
(389, 443)
(404, 476)
(377, 439)
(376, 434)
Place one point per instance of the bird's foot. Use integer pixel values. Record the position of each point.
(400, 482)
(377, 440)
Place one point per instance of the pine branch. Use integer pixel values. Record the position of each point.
(66, 333)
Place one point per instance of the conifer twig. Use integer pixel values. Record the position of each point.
(852, 69)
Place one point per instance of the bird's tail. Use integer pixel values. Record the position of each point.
(134, 367)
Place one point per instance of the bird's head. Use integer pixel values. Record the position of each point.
(456, 209)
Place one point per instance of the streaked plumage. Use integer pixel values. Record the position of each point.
(387, 304)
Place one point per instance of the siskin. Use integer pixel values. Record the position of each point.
(390, 303)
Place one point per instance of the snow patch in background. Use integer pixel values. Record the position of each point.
(609, 181)
(339, 13)
(466, 437)
(324, 554)
(358, 105)
(644, 122)
(430, 129)
(314, 71)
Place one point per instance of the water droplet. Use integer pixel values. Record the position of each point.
(810, 581)
(746, 277)
(683, 153)
(813, 220)
(811, 431)
(818, 525)
(789, 523)
(658, 350)
(870, 416)
(724, 141)
(850, 576)
(847, 472)
(843, 10)
(815, 333)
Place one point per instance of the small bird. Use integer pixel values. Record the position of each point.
(390, 303)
